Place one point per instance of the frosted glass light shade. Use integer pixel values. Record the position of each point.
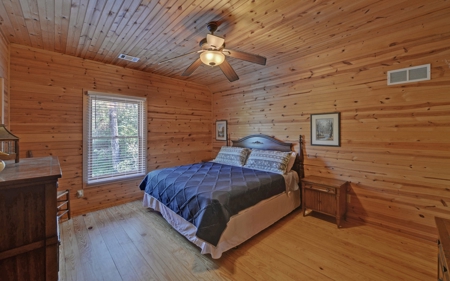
(212, 58)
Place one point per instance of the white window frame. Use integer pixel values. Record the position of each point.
(87, 138)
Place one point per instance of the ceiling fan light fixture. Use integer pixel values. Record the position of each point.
(212, 58)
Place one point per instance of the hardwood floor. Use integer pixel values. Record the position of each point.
(129, 242)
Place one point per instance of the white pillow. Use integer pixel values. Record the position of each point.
(234, 156)
(268, 160)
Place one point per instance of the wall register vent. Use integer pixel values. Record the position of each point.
(127, 57)
(408, 75)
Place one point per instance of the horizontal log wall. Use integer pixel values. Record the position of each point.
(4, 73)
(46, 113)
(395, 147)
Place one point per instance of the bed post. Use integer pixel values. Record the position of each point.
(300, 154)
(300, 143)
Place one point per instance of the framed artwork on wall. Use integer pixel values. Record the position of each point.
(221, 130)
(325, 129)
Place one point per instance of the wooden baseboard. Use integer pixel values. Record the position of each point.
(414, 236)
(79, 212)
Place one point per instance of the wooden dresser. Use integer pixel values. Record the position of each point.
(28, 227)
(325, 196)
(443, 227)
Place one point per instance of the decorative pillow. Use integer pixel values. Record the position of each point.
(291, 161)
(268, 160)
(235, 156)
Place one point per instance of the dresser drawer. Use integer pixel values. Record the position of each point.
(320, 188)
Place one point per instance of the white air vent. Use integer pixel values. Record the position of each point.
(127, 57)
(408, 75)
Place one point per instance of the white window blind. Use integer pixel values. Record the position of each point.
(114, 137)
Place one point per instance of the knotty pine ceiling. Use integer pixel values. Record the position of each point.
(284, 31)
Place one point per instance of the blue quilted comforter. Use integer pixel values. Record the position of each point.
(208, 194)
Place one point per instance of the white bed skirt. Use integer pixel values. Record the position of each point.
(241, 226)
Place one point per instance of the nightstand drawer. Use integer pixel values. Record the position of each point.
(320, 188)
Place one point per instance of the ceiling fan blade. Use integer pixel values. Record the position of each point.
(171, 59)
(192, 67)
(228, 71)
(245, 56)
(214, 41)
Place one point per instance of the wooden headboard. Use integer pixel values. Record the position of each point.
(269, 143)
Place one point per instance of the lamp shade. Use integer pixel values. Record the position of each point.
(5, 134)
(9, 145)
(212, 58)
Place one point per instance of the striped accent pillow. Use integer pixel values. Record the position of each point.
(235, 156)
(268, 160)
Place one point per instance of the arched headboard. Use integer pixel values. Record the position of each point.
(266, 142)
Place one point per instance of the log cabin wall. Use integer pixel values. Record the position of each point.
(395, 147)
(4, 73)
(46, 113)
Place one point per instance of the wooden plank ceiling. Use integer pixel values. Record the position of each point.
(153, 30)
(281, 30)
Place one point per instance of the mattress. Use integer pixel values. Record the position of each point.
(241, 226)
(208, 194)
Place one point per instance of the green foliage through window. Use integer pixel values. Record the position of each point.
(116, 145)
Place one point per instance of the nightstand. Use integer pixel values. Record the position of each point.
(326, 196)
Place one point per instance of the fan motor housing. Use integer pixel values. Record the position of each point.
(203, 41)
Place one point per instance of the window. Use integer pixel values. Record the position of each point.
(114, 137)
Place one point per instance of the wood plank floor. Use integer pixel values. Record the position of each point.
(129, 242)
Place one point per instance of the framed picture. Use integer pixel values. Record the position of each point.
(221, 130)
(325, 129)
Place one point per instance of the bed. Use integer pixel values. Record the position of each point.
(217, 205)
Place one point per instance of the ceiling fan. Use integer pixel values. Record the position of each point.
(213, 53)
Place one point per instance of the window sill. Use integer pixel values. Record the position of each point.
(110, 181)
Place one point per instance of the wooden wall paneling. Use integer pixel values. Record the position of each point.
(4, 73)
(101, 30)
(394, 148)
(367, 37)
(47, 116)
(87, 69)
(341, 41)
(322, 57)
